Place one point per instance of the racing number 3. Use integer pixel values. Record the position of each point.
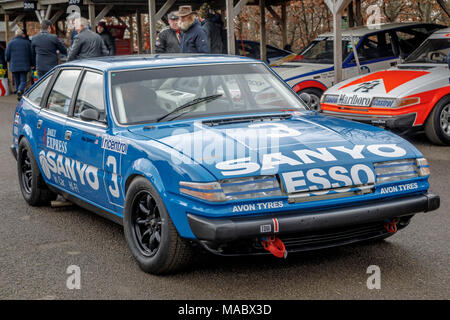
(114, 189)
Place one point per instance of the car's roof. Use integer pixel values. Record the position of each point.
(155, 60)
(362, 30)
(442, 33)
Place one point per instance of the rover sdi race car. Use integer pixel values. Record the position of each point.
(212, 152)
(413, 95)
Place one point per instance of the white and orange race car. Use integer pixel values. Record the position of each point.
(413, 95)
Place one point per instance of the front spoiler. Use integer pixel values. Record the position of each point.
(230, 229)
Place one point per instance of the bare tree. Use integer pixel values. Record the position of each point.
(392, 9)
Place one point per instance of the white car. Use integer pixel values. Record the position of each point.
(378, 46)
(411, 96)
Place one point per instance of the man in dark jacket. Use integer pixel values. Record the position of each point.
(107, 38)
(169, 39)
(18, 54)
(213, 26)
(194, 39)
(44, 49)
(86, 44)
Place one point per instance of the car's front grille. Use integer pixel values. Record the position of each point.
(333, 193)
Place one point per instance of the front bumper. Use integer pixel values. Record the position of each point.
(239, 228)
(391, 122)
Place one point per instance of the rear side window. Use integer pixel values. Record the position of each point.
(37, 93)
(90, 95)
(62, 91)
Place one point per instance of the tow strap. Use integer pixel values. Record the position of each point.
(275, 246)
(391, 225)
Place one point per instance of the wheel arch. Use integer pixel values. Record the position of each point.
(435, 101)
(309, 84)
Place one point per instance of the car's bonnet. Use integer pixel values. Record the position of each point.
(213, 143)
(396, 82)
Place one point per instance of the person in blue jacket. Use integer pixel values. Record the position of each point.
(44, 49)
(194, 39)
(18, 54)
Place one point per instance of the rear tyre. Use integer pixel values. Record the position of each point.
(149, 231)
(315, 95)
(437, 126)
(32, 185)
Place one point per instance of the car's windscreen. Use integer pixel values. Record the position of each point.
(431, 51)
(321, 50)
(149, 95)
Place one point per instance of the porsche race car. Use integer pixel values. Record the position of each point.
(413, 95)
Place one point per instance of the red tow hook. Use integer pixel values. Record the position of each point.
(391, 225)
(275, 246)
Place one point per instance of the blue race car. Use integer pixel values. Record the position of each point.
(213, 152)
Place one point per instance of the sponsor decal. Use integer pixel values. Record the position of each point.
(75, 171)
(258, 206)
(271, 161)
(50, 142)
(265, 228)
(17, 119)
(335, 177)
(399, 188)
(114, 144)
(16, 131)
(354, 100)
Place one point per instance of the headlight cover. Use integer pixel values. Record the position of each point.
(383, 102)
(233, 189)
(396, 170)
(330, 98)
(379, 102)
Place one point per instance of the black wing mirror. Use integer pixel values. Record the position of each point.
(89, 115)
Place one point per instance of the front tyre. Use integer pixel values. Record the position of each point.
(437, 127)
(32, 185)
(150, 233)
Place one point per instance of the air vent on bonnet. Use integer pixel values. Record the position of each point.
(219, 122)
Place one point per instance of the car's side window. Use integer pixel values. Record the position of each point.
(376, 46)
(37, 93)
(410, 38)
(62, 91)
(90, 95)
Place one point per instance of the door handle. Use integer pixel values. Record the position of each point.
(68, 135)
(39, 124)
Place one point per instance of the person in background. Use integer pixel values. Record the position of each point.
(86, 44)
(194, 39)
(44, 49)
(107, 38)
(169, 39)
(18, 54)
(213, 26)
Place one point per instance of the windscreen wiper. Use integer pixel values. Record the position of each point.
(189, 104)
